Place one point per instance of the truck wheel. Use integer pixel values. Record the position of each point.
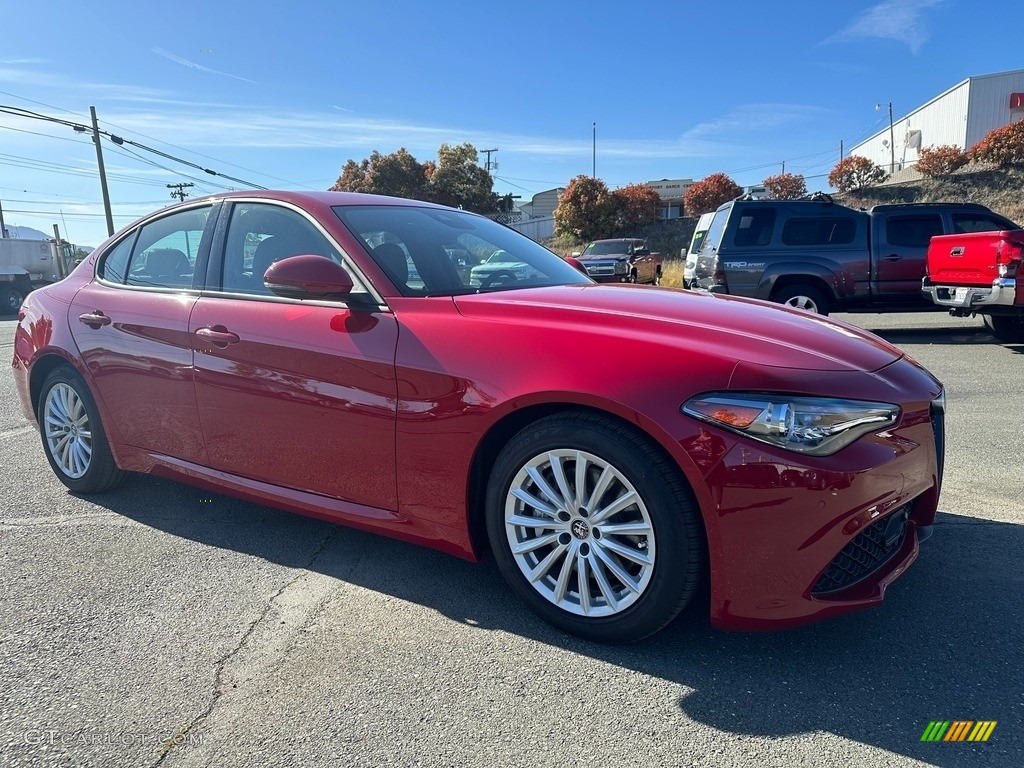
(11, 298)
(803, 297)
(73, 437)
(657, 277)
(1008, 328)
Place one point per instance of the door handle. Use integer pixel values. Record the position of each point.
(218, 335)
(94, 319)
(893, 257)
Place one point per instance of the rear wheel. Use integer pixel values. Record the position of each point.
(1007, 328)
(804, 297)
(73, 437)
(657, 277)
(594, 527)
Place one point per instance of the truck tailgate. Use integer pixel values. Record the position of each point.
(971, 258)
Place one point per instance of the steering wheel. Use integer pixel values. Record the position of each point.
(499, 275)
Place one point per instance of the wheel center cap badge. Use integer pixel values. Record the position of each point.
(580, 529)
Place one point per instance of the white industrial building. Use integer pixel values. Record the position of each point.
(961, 117)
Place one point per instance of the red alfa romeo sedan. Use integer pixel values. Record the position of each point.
(618, 448)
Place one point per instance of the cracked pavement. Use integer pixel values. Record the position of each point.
(148, 627)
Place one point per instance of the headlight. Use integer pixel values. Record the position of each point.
(620, 268)
(818, 426)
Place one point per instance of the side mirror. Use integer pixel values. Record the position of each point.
(641, 252)
(308, 277)
(577, 264)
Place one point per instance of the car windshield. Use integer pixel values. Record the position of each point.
(445, 252)
(605, 249)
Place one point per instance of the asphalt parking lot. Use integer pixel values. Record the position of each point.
(160, 625)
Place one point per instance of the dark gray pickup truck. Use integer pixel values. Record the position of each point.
(821, 256)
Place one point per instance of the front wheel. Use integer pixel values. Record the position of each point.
(594, 527)
(803, 297)
(73, 437)
(1008, 328)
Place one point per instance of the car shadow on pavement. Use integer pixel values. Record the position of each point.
(946, 644)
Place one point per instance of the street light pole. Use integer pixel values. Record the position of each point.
(892, 145)
(593, 172)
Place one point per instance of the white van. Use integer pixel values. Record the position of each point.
(690, 254)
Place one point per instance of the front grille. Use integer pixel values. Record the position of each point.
(868, 551)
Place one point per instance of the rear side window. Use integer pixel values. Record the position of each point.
(836, 230)
(914, 231)
(755, 227)
(978, 222)
(165, 250)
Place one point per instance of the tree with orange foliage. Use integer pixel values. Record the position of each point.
(855, 172)
(785, 186)
(709, 193)
(638, 204)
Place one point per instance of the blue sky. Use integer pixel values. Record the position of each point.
(282, 94)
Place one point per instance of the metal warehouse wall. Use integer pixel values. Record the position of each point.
(961, 116)
(990, 104)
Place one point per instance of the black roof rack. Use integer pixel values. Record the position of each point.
(905, 206)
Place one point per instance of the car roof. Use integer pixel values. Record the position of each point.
(321, 197)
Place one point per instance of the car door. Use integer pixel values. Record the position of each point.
(131, 326)
(297, 394)
(642, 262)
(900, 247)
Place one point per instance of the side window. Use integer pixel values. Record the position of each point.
(755, 227)
(260, 234)
(819, 231)
(115, 263)
(912, 231)
(165, 250)
(976, 222)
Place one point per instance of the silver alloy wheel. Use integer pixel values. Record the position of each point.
(802, 302)
(580, 533)
(67, 430)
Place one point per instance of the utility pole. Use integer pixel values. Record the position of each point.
(783, 167)
(103, 173)
(489, 165)
(179, 190)
(840, 150)
(593, 173)
(3, 227)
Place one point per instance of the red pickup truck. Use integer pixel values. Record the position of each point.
(980, 273)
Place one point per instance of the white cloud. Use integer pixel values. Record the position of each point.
(734, 130)
(901, 20)
(192, 65)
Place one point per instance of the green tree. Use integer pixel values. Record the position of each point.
(398, 174)
(637, 204)
(586, 210)
(1002, 146)
(785, 186)
(459, 181)
(855, 172)
(709, 193)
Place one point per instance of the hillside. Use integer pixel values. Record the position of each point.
(1001, 189)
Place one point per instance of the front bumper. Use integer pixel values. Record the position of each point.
(1002, 293)
(795, 539)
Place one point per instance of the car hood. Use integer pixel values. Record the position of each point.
(693, 324)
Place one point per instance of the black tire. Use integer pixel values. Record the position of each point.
(657, 277)
(804, 297)
(1007, 328)
(675, 546)
(11, 298)
(92, 473)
